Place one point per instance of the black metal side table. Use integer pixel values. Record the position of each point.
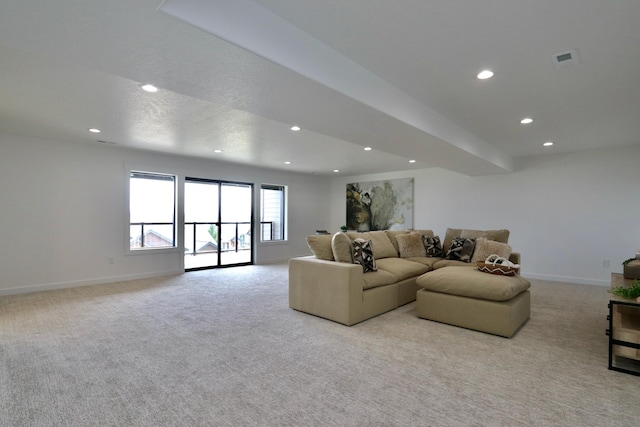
(624, 331)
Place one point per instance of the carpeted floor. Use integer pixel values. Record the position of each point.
(222, 348)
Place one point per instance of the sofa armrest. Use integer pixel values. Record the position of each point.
(329, 289)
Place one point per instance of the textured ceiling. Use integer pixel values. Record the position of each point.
(351, 74)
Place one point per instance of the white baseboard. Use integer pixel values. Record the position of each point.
(273, 261)
(567, 279)
(88, 282)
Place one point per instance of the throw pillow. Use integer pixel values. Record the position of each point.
(363, 255)
(486, 247)
(448, 237)
(411, 245)
(393, 234)
(432, 246)
(381, 243)
(342, 249)
(461, 249)
(320, 245)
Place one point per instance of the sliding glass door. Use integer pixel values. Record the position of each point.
(217, 228)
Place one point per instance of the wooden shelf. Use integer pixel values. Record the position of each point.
(624, 330)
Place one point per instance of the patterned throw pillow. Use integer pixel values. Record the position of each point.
(461, 249)
(363, 255)
(433, 246)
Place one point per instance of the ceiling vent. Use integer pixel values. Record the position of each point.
(565, 59)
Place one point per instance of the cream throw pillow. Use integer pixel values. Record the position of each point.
(486, 247)
(411, 245)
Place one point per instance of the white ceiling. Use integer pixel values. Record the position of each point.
(235, 75)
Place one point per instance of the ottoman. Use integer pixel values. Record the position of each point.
(466, 297)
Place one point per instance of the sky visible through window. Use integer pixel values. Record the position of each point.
(153, 201)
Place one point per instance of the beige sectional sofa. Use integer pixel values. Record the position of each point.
(329, 285)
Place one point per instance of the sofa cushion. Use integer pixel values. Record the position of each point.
(363, 255)
(411, 245)
(428, 233)
(375, 279)
(382, 246)
(485, 247)
(432, 246)
(501, 236)
(470, 282)
(401, 268)
(320, 246)
(461, 249)
(342, 248)
(497, 235)
(443, 262)
(428, 261)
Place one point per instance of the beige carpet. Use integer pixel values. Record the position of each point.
(221, 347)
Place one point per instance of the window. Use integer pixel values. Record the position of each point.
(218, 227)
(272, 215)
(152, 210)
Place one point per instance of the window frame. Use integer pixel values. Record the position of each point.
(283, 213)
(175, 223)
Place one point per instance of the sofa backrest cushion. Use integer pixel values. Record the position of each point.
(320, 245)
(393, 234)
(382, 246)
(501, 236)
(342, 247)
(428, 233)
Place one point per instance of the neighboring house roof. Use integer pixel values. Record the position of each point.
(138, 239)
(208, 247)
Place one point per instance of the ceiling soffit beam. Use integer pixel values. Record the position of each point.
(252, 27)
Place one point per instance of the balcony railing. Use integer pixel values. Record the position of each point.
(236, 243)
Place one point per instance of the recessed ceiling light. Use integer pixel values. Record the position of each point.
(548, 144)
(367, 148)
(148, 88)
(295, 128)
(412, 161)
(94, 130)
(485, 74)
(526, 120)
(217, 150)
(336, 170)
(287, 163)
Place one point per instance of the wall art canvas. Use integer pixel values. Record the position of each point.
(380, 205)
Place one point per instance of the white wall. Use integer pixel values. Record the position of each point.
(63, 216)
(566, 212)
(63, 212)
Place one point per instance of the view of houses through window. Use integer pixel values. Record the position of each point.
(152, 210)
(217, 228)
(272, 212)
(218, 218)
